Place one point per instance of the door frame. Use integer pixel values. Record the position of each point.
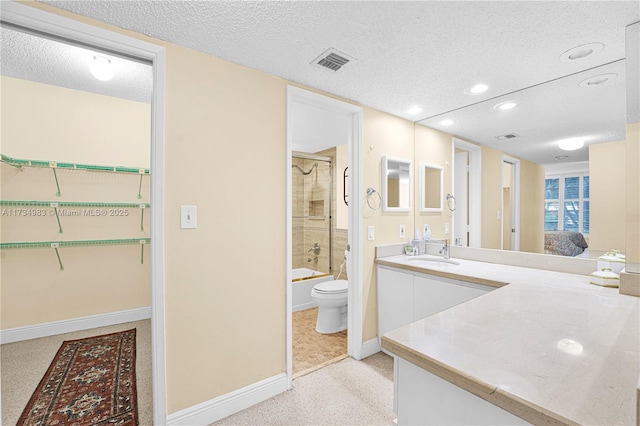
(515, 201)
(49, 23)
(354, 314)
(475, 189)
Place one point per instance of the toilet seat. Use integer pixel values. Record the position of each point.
(331, 287)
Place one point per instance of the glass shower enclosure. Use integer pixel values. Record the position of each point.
(312, 198)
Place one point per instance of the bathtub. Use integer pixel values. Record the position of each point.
(302, 282)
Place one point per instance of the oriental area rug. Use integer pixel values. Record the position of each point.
(90, 381)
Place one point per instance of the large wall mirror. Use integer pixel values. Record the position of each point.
(396, 184)
(590, 105)
(431, 187)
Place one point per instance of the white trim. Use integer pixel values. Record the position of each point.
(50, 23)
(515, 202)
(371, 347)
(53, 328)
(218, 408)
(385, 184)
(475, 190)
(354, 316)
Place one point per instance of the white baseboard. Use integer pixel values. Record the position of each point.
(370, 347)
(303, 306)
(36, 331)
(218, 408)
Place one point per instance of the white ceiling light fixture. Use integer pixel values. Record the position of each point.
(414, 110)
(446, 122)
(570, 144)
(581, 52)
(477, 89)
(599, 80)
(503, 106)
(101, 68)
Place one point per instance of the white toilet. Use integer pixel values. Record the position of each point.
(331, 298)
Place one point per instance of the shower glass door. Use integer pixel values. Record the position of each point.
(312, 184)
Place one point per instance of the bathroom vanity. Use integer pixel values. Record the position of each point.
(484, 343)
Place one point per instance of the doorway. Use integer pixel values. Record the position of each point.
(467, 187)
(38, 21)
(316, 123)
(510, 228)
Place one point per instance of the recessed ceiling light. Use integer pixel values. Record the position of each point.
(414, 110)
(447, 122)
(581, 52)
(570, 346)
(561, 157)
(570, 144)
(477, 89)
(101, 68)
(505, 105)
(599, 80)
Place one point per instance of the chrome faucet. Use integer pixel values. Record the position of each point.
(444, 251)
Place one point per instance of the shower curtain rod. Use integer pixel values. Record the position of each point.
(302, 171)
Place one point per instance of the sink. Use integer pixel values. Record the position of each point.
(430, 260)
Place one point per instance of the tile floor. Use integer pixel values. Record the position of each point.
(312, 350)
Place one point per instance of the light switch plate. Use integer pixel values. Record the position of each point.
(447, 228)
(401, 233)
(188, 217)
(371, 232)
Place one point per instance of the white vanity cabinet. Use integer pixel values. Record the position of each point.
(405, 297)
(434, 294)
(395, 299)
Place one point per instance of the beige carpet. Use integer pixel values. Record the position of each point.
(348, 392)
(24, 363)
(313, 350)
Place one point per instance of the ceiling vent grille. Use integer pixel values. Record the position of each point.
(332, 60)
(507, 137)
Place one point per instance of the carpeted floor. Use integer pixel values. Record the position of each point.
(24, 364)
(348, 392)
(313, 350)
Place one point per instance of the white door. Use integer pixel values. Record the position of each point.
(461, 192)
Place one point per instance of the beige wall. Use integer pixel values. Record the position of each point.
(391, 136)
(433, 147)
(214, 343)
(607, 176)
(106, 131)
(53, 123)
(532, 178)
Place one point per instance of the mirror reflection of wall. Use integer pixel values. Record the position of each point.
(431, 183)
(396, 184)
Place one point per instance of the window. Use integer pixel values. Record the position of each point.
(566, 206)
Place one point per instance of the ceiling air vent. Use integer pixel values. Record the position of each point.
(507, 137)
(332, 60)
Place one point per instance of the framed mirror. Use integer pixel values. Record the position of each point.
(431, 187)
(396, 184)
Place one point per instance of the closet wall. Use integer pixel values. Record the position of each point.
(43, 122)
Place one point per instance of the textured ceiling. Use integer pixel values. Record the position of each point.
(406, 53)
(556, 110)
(47, 61)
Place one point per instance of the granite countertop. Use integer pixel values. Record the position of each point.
(546, 346)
